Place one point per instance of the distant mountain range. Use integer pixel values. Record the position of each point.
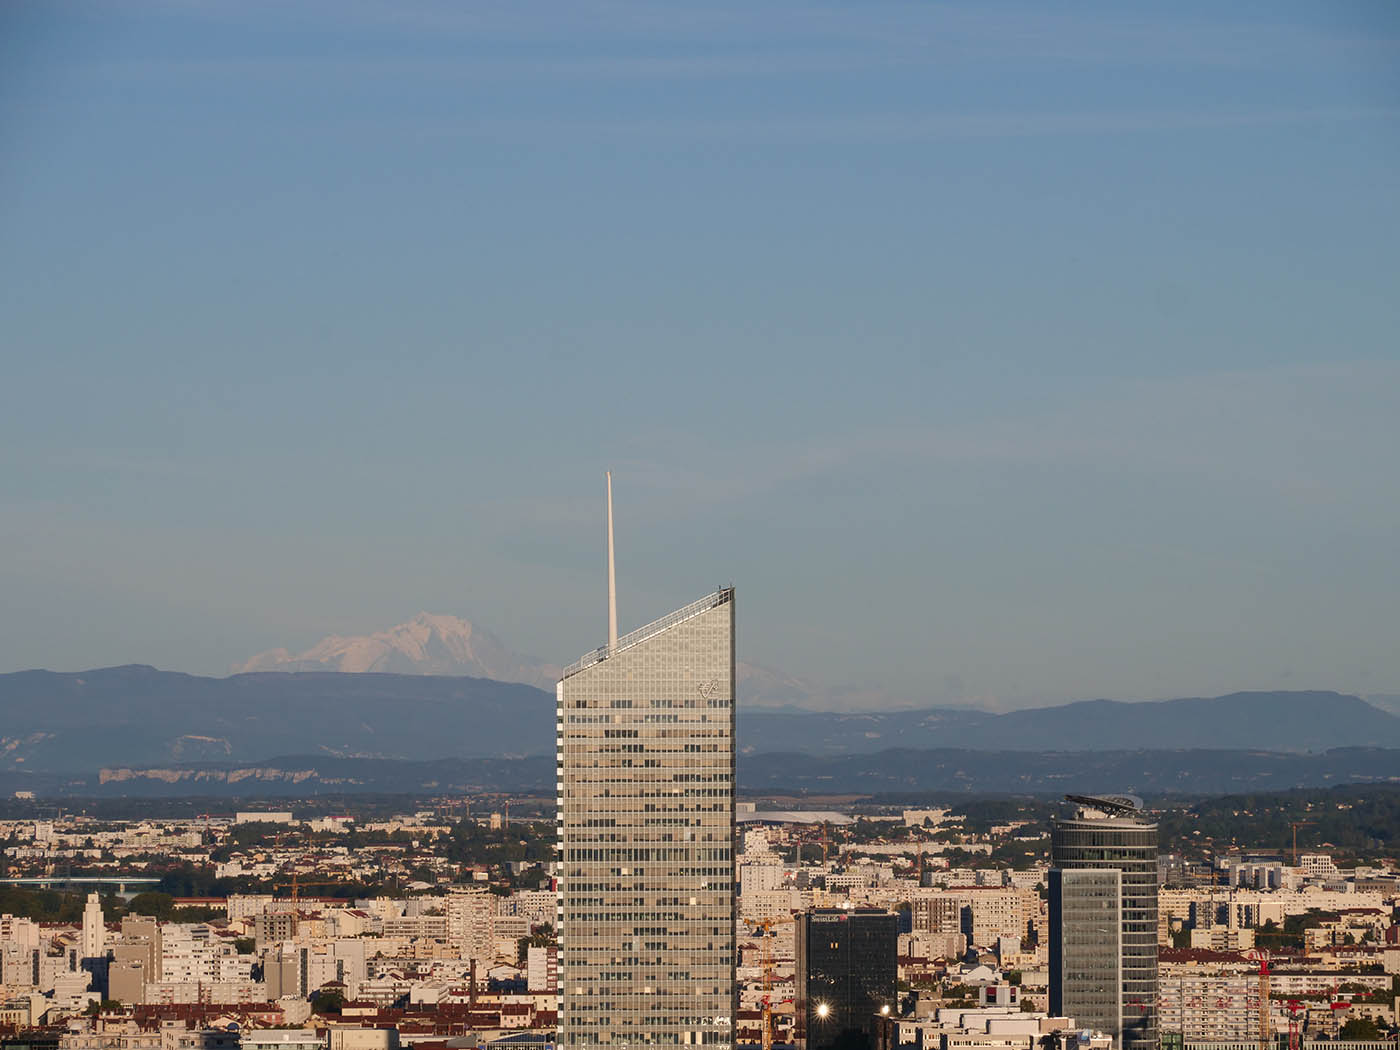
(443, 645)
(139, 717)
(891, 773)
(1277, 721)
(1146, 772)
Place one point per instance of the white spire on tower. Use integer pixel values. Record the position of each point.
(612, 576)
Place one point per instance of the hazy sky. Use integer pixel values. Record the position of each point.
(996, 352)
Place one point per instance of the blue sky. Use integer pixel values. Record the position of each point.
(998, 353)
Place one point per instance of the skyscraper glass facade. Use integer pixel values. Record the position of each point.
(1086, 946)
(1116, 843)
(847, 973)
(645, 738)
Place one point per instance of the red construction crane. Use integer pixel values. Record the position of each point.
(1336, 1005)
(1295, 1024)
(1262, 958)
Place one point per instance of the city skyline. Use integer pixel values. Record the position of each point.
(1031, 368)
(1059, 343)
(940, 923)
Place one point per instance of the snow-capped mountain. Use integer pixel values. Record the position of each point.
(449, 645)
(426, 644)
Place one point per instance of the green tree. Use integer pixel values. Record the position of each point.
(327, 1001)
(153, 902)
(40, 905)
(1361, 1028)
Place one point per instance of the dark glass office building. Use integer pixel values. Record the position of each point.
(847, 963)
(1103, 919)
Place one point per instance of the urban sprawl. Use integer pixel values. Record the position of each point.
(462, 951)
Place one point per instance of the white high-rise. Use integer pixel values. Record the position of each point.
(645, 732)
(94, 935)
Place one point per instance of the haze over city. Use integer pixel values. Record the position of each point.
(999, 354)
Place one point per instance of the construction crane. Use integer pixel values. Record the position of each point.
(1262, 958)
(1295, 825)
(766, 1022)
(295, 885)
(298, 882)
(1295, 1025)
(1336, 1006)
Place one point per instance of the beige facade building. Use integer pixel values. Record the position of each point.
(645, 730)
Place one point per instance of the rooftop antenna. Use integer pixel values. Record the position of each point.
(612, 576)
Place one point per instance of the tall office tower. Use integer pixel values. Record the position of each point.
(1103, 919)
(847, 974)
(645, 735)
(94, 936)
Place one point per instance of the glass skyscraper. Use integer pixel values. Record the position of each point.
(1103, 919)
(847, 975)
(645, 738)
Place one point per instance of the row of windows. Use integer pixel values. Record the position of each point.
(570, 792)
(583, 703)
(711, 876)
(627, 915)
(584, 958)
(709, 731)
(629, 802)
(689, 712)
(615, 888)
(588, 783)
(689, 853)
(651, 836)
(676, 1018)
(670, 959)
(713, 1040)
(635, 904)
(697, 830)
(719, 773)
